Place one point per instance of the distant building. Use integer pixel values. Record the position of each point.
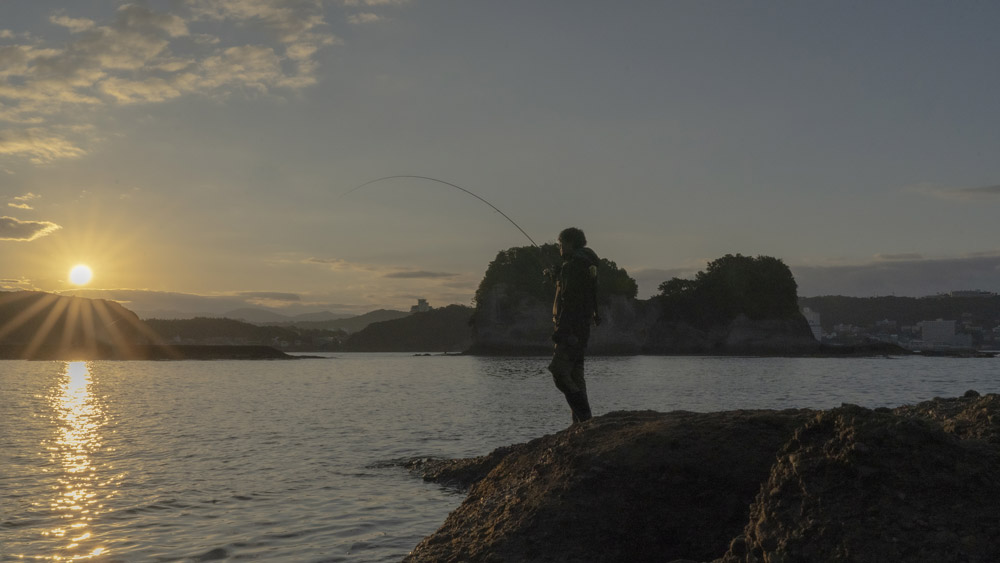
(942, 333)
(971, 293)
(937, 332)
(420, 307)
(812, 317)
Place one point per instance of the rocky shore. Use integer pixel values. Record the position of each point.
(914, 483)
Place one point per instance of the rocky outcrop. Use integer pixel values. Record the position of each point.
(512, 325)
(917, 483)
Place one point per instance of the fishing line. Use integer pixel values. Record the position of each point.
(495, 208)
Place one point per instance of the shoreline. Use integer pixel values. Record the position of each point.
(152, 352)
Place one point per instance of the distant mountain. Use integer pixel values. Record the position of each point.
(267, 316)
(254, 315)
(438, 330)
(320, 316)
(355, 324)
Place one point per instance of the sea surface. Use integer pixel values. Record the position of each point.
(294, 460)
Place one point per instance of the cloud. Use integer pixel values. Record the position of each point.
(904, 256)
(271, 296)
(358, 3)
(20, 206)
(38, 144)
(340, 265)
(915, 278)
(145, 56)
(418, 274)
(958, 194)
(363, 18)
(17, 230)
(75, 25)
(987, 191)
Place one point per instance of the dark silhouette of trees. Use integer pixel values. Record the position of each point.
(759, 288)
(519, 269)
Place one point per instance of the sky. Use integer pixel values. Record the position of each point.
(198, 154)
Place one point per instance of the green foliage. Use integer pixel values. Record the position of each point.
(612, 280)
(519, 269)
(760, 288)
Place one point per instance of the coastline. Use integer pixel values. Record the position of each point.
(144, 353)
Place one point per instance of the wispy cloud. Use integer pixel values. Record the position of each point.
(909, 277)
(339, 264)
(903, 256)
(38, 144)
(958, 194)
(17, 230)
(145, 56)
(271, 296)
(75, 25)
(419, 274)
(19, 206)
(358, 3)
(363, 18)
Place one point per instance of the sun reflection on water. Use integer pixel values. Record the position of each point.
(79, 417)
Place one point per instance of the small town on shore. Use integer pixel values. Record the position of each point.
(970, 327)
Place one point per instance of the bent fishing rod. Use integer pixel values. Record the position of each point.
(495, 208)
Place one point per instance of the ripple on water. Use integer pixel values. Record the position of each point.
(214, 461)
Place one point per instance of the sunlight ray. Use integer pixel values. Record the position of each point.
(43, 331)
(88, 328)
(116, 338)
(70, 322)
(27, 314)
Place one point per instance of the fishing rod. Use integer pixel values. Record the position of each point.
(495, 208)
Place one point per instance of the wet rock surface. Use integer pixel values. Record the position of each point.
(915, 483)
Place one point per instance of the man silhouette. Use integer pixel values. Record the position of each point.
(573, 309)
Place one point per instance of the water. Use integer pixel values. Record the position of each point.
(286, 461)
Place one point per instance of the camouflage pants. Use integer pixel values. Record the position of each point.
(567, 369)
(567, 373)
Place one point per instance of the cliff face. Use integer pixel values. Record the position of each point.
(916, 483)
(505, 325)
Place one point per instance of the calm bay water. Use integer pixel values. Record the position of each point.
(288, 461)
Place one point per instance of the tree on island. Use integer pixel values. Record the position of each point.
(758, 288)
(519, 271)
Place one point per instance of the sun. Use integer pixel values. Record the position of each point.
(80, 274)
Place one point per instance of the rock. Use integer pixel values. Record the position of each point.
(523, 325)
(627, 486)
(916, 483)
(913, 493)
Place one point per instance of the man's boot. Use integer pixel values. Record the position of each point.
(580, 405)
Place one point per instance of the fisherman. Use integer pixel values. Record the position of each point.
(574, 308)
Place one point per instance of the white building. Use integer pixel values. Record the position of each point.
(942, 333)
(420, 307)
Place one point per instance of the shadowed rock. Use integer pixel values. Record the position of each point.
(917, 483)
(627, 486)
